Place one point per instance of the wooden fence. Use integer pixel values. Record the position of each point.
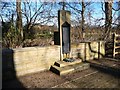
(116, 49)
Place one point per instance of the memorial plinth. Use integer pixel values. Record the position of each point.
(63, 68)
(67, 63)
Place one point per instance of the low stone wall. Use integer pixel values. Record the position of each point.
(18, 62)
(88, 50)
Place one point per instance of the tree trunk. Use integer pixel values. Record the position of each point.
(108, 18)
(119, 15)
(83, 21)
(82, 14)
(19, 17)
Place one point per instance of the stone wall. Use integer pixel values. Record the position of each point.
(18, 62)
(88, 50)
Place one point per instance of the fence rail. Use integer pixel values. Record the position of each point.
(116, 49)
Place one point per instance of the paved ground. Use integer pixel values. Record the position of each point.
(90, 78)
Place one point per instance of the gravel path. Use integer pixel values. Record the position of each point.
(90, 78)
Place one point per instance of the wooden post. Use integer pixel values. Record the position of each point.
(85, 52)
(99, 49)
(114, 45)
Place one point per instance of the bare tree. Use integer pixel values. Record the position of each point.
(19, 17)
(7, 11)
(81, 13)
(39, 13)
(108, 17)
(119, 15)
(117, 10)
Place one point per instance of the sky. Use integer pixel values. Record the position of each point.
(58, 0)
(96, 12)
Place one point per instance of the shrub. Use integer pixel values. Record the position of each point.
(12, 37)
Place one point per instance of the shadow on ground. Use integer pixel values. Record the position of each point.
(115, 71)
(8, 70)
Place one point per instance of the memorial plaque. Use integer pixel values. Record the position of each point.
(65, 38)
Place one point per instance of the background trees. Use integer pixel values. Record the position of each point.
(25, 17)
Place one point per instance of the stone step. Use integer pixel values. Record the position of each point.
(69, 68)
(63, 63)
